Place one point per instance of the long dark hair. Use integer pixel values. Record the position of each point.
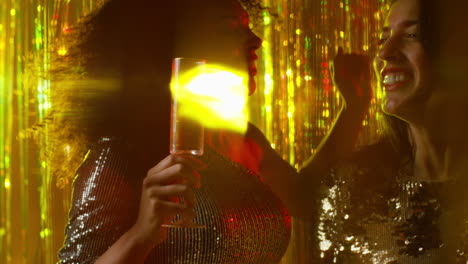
(396, 134)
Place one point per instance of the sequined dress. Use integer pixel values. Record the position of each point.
(245, 222)
(373, 212)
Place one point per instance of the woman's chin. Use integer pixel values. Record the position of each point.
(252, 85)
(390, 107)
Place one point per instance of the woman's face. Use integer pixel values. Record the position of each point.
(403, 62)
(219, 32)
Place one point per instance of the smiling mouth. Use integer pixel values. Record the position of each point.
(394, 79)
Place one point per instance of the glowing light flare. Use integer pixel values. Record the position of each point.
(62, 51)
(266, 19)
(215, 96)
(66, 30)
(45, 233)
(268, 81)
(7, 184)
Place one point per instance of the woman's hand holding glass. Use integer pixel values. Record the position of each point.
(171, 180)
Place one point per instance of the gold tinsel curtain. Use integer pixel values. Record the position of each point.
(295, 104)
(33, 210)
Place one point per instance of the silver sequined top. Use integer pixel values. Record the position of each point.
(245, 222)
(370, 212)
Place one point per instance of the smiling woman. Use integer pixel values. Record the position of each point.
(400, 200)
(405, 67)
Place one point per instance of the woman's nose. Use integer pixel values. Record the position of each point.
(389, 50)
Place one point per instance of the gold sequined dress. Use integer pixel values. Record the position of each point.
(372, 212)
(245, 222)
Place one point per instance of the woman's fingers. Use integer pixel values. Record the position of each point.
(178, 173)
(181, 191)
(350, 67)
(171, 160)
(351, 73)
(167, 190)
(175, 169)
(170, 200)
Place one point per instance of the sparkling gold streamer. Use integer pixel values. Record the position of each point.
(31, 206)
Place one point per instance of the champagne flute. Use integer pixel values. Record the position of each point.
(186, 134)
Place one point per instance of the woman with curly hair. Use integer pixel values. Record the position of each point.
(124, 190)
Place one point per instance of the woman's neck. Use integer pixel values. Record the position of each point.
(239, 148)
(431, 156)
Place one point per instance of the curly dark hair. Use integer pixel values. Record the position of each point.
(113, 80)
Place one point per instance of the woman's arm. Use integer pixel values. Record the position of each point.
(104, 203)
(111, 220)
(352, 76)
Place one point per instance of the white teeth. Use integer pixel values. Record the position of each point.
(393, 78)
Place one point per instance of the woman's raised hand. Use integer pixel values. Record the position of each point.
(172, 178)
(351, 74)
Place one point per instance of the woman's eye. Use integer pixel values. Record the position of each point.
(412, 35)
